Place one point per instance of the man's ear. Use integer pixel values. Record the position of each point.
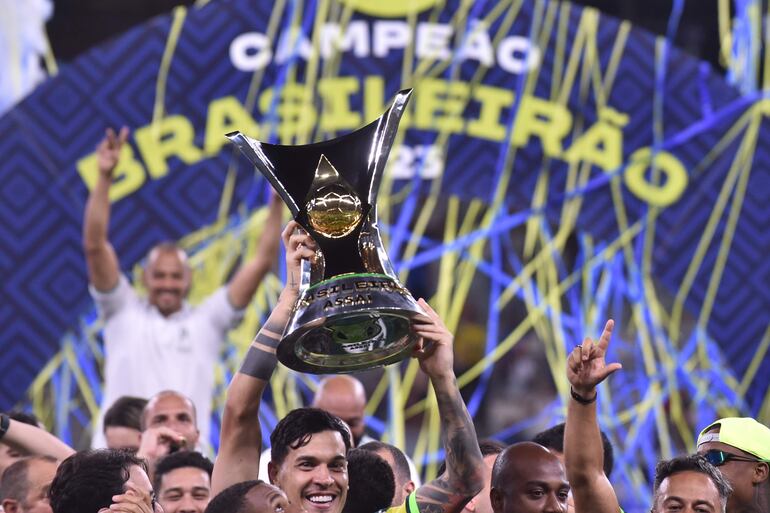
(272, 472)
(10, 506)
(409, 487)
(145, 274)
(761, 473)
(496, 500)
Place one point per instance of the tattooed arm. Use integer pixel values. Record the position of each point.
(463, 477)
(241, 439)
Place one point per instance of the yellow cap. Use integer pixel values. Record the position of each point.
(743, 433)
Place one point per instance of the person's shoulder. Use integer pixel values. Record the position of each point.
(120, 298)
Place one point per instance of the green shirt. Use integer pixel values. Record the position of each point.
(409, 506)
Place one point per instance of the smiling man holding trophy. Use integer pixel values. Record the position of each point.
(352, 313)
(346, 312)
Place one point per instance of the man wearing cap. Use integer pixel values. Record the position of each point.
(740, 448)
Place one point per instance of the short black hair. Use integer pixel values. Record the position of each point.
(402, 470)
(180, 459)
(487, 446)
(553, 438)
(371, 485)
(15, 482)
(232, 498)
(296, 429)
(125, 412)
(24, 417)
(86, 481)
(692, 463)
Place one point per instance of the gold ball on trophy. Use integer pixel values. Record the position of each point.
(334, 211)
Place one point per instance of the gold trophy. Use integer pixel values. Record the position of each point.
(352, 313)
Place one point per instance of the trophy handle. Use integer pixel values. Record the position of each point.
(311, 271)
(387, 127)
(304, 279)
(371, 248)
(252, 149)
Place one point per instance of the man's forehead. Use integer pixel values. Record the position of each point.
(169, 402)
(325, 444)
(720, 446)
(346, 412)
(168, 254)
(341, 407)
(543, 471)
(689, 485)
(550, 482)
(538, 469)
(185, 477)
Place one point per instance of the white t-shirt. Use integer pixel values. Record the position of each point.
(146, 353)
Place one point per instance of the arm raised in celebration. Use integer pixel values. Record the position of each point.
(463, 478)
(102, 263)
(583, 449)
(240, 439)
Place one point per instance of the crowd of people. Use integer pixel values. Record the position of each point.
(150, 445)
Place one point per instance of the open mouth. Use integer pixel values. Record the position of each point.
(321, 501)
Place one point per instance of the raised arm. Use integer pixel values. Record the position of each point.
(463, 477)
(583, 449)
(241, 439)
(33, 440)
(103, 268)
(245, 282)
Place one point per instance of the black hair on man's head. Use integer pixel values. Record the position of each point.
(14, 483)
(487, 446)
(86, 481)
(180, 459)
(371, 484)
(553, 438)
(402, 471)
(691, 463)
(296, 429)
(125, 412)
(232, 499)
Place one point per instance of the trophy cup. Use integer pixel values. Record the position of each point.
(352, 313)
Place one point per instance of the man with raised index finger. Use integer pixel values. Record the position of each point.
(684, 483)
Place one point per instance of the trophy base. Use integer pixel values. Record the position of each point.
(350, 323)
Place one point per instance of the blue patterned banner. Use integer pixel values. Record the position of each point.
(556, 167)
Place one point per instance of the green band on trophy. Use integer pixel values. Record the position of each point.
(352, 313)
